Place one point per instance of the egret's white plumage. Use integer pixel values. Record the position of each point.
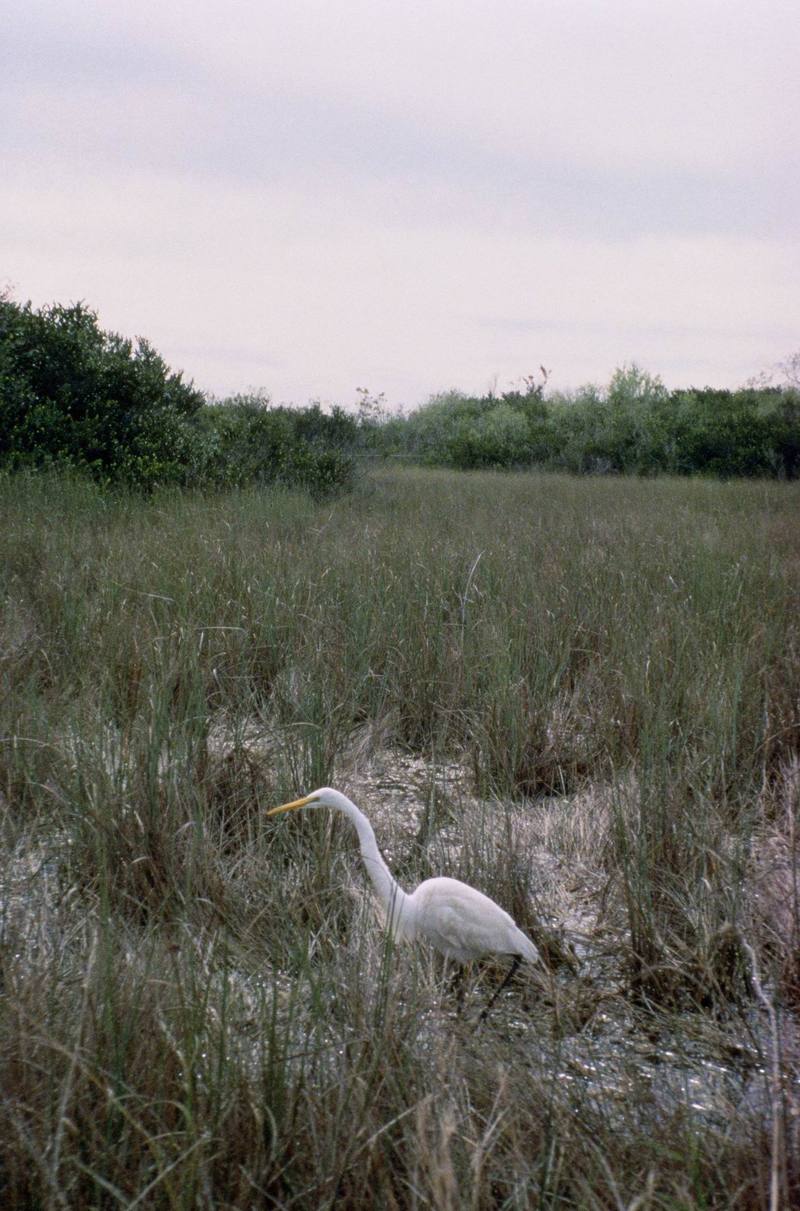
(459, 921)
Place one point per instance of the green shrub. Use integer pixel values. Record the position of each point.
(634, 425)
(729, 432)
(72, 394)
(468, 432)
(244, 440)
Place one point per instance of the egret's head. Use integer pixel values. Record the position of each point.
(324, 797)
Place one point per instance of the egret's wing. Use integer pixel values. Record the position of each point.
(462, 922)
(444, 928)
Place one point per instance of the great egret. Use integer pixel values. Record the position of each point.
(459, 921)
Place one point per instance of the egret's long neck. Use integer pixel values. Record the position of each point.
(390, 894)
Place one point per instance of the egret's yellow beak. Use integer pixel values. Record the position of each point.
(290, 807)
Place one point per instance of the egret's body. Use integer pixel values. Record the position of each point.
(459, 921)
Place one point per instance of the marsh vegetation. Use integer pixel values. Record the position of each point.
(579, 695)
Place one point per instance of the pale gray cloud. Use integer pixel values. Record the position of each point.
(315, 196)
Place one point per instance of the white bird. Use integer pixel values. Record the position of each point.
(459, 921)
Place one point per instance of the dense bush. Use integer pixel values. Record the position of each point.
(748, 432)
(245, 440)
(492, 431)
(634, 425)
(72, 394)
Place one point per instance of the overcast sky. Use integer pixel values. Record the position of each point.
(309, 197)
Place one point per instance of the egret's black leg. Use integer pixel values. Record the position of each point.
(461, 989)
(515, 964)
(457, 983)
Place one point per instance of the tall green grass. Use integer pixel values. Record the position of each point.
(198, 1009)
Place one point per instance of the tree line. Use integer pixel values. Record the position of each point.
(73, 395)
(635, 425)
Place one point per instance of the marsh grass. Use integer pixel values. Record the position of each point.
(579, 695)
